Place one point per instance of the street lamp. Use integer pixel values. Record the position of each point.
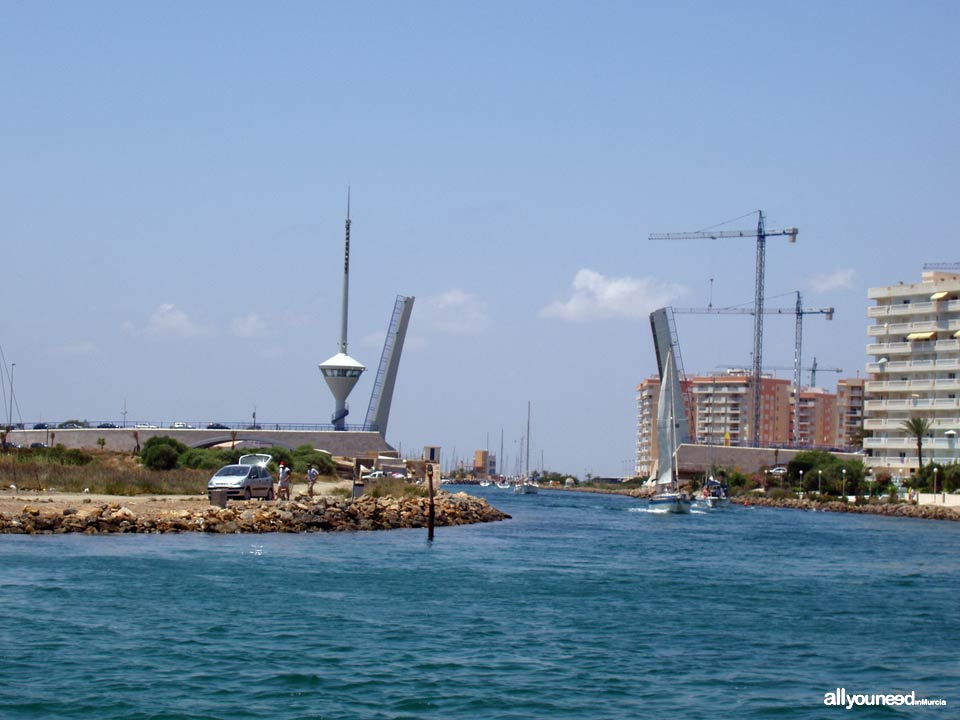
(819, 480)
(801, 481)
(843, 492)
(935, 484)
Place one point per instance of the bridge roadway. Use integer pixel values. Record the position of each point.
(345, 443)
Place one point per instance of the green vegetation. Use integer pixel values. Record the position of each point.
(56, 455)
(823, 472)
(98, 475)
(391, 487)
(166, 466)
(162, 453)
(175, 454)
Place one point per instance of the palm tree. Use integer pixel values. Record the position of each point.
(917, 427)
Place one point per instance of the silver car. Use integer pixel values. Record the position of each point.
(247, 479)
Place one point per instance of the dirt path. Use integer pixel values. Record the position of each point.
(12, 503)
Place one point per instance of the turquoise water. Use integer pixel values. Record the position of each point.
(582, 606)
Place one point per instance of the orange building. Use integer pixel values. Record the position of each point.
(850, 396)
(817, 427)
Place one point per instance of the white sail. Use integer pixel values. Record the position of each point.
(666, 424)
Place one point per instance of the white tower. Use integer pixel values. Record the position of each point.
(341, 371)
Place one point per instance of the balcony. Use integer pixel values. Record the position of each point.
(937, 425)
(928, 365)
(905, 348)
(908, 404)
(931, 325)
(918, 386)
(906, 309)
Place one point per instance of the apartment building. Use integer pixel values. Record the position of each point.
(915, 350)
(850, 397)
(718, 412)
(648, 400)
(817, 419)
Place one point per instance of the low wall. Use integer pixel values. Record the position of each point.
(945, 499)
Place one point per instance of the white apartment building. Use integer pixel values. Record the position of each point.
(915, 346)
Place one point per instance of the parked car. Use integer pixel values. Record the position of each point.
(375, 475)
(37, 445)
(41, 426)
(247, 479)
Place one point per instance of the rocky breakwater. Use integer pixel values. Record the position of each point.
(924, 512)
(300, 515)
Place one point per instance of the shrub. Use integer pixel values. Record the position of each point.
(203, 459)
(160, 456)
(57, 455)
(178, 446)
(305, 455)
(395, 488)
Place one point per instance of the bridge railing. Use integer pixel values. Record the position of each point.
(184, 425)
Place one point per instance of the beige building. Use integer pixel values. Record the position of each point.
(915, 351)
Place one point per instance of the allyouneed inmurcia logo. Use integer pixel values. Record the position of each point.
(841, 698)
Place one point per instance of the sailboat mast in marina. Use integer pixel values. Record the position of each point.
(524, 486)
(667, 495)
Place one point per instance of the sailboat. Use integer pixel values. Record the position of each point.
(524, 485)
(667, 495)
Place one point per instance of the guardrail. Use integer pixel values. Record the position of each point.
(181, 425)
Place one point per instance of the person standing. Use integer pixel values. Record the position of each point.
(283, 485)
(312, 475)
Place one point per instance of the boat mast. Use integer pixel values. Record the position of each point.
(500, 465)
(526, 471)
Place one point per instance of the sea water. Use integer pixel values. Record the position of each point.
(581, 606)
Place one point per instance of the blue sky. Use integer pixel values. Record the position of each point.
(174, 188)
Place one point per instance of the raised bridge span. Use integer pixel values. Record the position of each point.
(346, 443)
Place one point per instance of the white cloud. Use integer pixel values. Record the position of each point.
(597, 296)
(248, 326)
(168, 320)
(455, 312)
(836, 280)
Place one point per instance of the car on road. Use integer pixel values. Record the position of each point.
(107, 425)
(181, 426)
(249, 478)
(41, 426)
(217, 426)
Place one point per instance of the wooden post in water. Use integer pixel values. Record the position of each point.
(431, 511)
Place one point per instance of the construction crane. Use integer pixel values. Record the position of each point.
(799, 311)
(941, 266)
(761, 234)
